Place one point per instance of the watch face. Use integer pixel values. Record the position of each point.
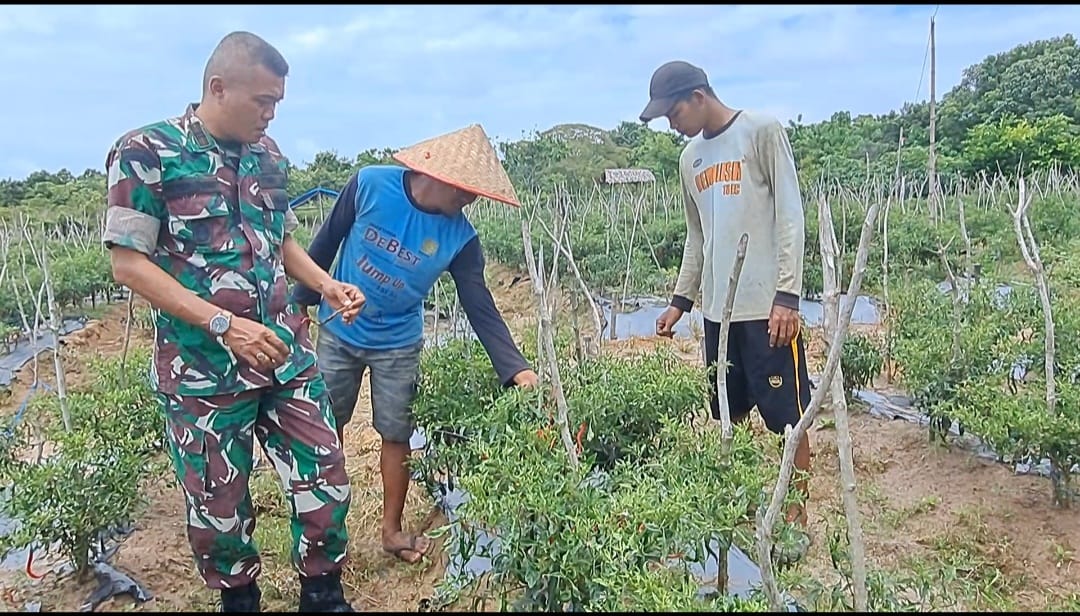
(218, 324)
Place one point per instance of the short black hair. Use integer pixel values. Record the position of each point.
(247, 48)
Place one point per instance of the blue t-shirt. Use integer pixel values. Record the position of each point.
(394, 253)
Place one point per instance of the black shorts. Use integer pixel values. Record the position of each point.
(773, 379)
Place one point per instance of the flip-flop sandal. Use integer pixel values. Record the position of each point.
(397, 552)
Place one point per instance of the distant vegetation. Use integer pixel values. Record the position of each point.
(1019, 109)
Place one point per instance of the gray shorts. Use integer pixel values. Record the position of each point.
(395, 375)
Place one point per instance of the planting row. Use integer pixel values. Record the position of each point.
(981, 363)
(625, 529)
(76, 275)
(639, 237)
(87, 480)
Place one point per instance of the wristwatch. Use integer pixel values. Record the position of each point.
(220, 322)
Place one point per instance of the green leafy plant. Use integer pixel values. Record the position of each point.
(650, 491)
(90, 483)
(860, 362)
(85, 489)
(995, 388)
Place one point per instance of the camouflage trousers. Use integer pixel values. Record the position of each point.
(211, 442)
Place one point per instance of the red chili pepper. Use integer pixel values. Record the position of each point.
(29, 565)
(580, 433)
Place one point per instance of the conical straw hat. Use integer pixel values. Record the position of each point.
(463, 158)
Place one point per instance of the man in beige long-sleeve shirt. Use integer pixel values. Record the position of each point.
(738, 176)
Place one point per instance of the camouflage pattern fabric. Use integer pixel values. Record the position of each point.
(214, 217)
(222, 214)
(211, 445)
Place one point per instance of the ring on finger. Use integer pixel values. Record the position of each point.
(261, 357)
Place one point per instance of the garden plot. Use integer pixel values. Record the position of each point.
(471, 553)
(971, 388)
(651, 484)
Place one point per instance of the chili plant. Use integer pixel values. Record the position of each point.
(454, 406)
(91, 483)
(995, 389)
(932, 368)
(569, 539)
(649, 496)
(619, 404)
(861, 362)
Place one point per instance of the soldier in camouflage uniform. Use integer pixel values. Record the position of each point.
(198, 223)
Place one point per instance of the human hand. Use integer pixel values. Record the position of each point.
(784, 323)
(255, 343)
(665, 323)
(526, 378)
(344, 297)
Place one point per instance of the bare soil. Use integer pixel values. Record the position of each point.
(924, 509)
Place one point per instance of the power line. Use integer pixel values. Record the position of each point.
(922, 73)
(926, 56)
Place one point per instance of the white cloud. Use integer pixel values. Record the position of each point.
(312, 39)
(376, 76)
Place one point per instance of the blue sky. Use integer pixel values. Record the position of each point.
(75, 78)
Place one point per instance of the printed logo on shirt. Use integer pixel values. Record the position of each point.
(429, 247)
(380, 277)
(388, 243)
(728, 174)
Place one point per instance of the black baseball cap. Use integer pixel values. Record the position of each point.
(669, 83)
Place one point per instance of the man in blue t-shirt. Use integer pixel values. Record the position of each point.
(399, 229)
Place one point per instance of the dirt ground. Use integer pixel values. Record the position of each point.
(992, 537)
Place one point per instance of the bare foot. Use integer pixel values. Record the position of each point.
(409, 548)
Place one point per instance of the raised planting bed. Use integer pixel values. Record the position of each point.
(975, 364)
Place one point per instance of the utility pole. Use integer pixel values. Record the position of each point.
(932, 178)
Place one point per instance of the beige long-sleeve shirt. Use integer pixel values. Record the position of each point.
(742, 180)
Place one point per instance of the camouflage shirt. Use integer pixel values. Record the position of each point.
(214, 218)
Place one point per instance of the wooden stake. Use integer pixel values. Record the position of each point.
(768, 521)
(831, 305)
